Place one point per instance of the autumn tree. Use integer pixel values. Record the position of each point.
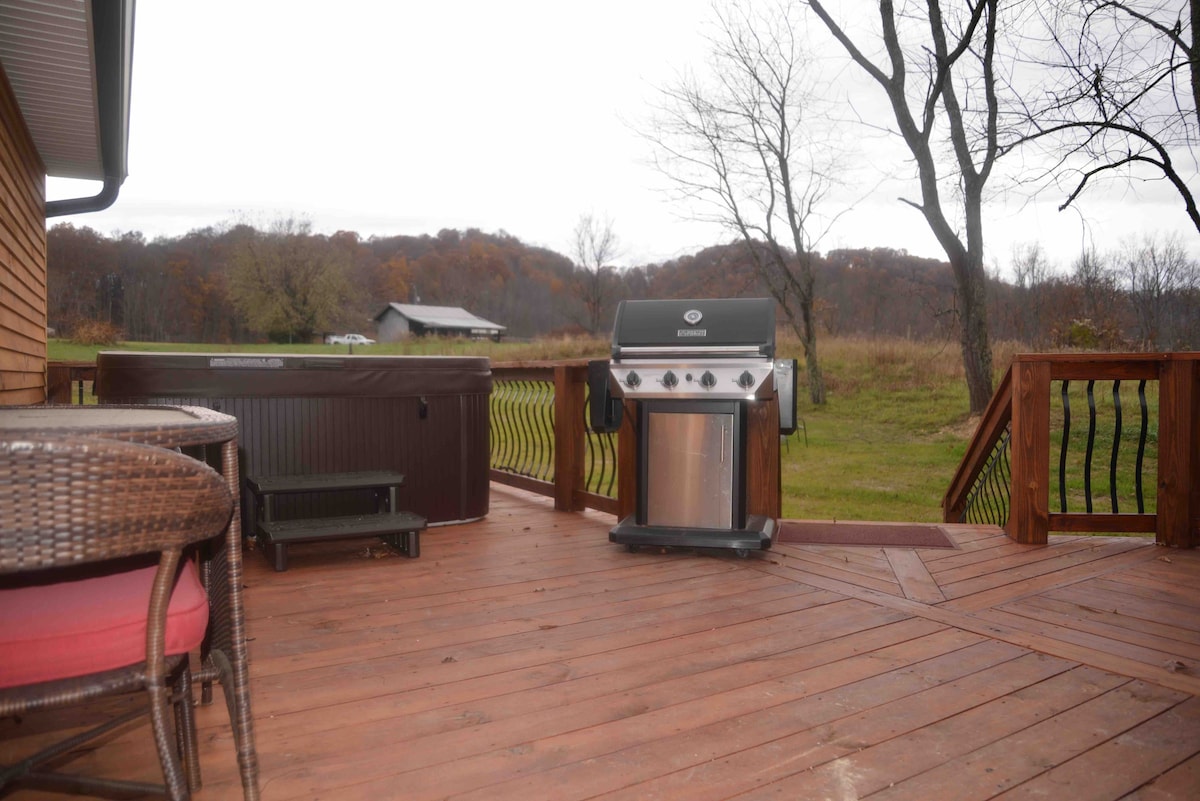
(395, 279)
(939, 75)
(737, 142)
(596, 281)
(81, 275)
(286, 282)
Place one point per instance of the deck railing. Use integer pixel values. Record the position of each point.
(1099, 472)
(541, 440)
(67, 382)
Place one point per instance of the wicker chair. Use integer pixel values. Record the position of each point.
(98, 594)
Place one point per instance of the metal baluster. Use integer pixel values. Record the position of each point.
(506, 457)
(610, 458)
(988, 499)
(1141, 452)
(1002, 480)
(545, 418)
(1091, 441)
(1062, 454)
(589, 442)
(495, 439)
(1116, 448)
(525, 429)
(501, 420)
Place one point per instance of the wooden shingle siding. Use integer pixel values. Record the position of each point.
(22, 259)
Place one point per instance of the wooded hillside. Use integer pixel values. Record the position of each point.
(211, 286)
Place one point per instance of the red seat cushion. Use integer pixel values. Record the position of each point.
(90, 619)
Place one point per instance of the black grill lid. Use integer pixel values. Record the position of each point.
(671, 326)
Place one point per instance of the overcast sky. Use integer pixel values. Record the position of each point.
(405, 117)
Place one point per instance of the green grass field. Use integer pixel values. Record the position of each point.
(883, 447)
(889, 438)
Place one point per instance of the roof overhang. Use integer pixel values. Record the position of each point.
(69, 63)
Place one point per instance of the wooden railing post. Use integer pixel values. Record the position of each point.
(58, 383)
(569, 446)
(1029, 512)
(764, 478)
(1178, 524)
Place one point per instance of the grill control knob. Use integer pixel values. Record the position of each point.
(670, 380)
(633, 380)
(708, 380)
(745, 380)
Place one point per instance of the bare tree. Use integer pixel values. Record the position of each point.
(956, 93)
(1095, 278)
(1162, 284)
(595, 245)
(1122, 99)
(739, 144)
(1031, 271)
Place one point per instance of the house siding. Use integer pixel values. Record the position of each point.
(393, 326)
(22, 258)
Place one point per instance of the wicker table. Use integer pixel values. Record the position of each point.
(182, 427)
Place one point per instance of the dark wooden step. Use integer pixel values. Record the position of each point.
(401, 530)
(324, 482)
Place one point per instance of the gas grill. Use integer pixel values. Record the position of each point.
(692, 369)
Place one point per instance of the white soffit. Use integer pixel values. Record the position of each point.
(46, 49)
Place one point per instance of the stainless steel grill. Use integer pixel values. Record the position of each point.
(712, 349)
(693, 367)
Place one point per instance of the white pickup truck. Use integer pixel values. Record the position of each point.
(348, 339)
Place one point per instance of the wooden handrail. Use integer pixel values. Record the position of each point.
(991, 427)
(1023, 401)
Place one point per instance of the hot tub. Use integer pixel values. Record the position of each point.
(425, 416)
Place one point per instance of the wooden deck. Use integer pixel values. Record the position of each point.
(525, 657)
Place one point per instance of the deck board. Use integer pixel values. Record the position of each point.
(524, 656)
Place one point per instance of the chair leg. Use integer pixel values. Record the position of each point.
(185, 725)
(243, 727)
(166, 743)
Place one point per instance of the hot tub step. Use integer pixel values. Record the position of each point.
(402, 530)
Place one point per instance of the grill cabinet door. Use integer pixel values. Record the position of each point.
(690, 470)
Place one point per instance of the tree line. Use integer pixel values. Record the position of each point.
(1063, 97)
(233, 284)
(1066, 97)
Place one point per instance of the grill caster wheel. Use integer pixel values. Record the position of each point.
(631, 548)
(742, 553)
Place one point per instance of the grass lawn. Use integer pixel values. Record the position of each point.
(887, 441)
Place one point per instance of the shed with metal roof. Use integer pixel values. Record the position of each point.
(400, 320)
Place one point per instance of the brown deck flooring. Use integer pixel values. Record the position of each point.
(525, 657)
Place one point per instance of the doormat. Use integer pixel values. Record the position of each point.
(874, 535)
